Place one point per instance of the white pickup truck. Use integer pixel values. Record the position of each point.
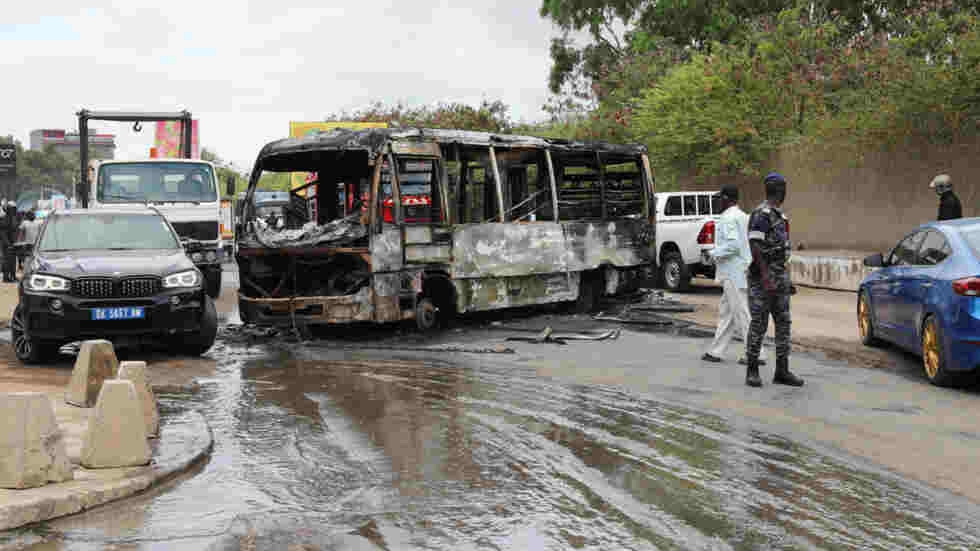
(685, 232)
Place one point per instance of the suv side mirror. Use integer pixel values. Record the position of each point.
(874, 261)
(231, 186)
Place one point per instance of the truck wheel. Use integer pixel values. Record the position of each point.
(243, 313)
(212, 280)
(195, 344)
(675, 273)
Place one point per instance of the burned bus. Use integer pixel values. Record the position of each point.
(505, 221)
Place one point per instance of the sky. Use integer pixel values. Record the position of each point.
(245, 69)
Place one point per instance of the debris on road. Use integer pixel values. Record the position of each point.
(548, 336)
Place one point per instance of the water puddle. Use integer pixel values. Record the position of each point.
(335, 449)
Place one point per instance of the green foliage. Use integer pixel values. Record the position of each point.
(45, 169)
(224, 172)
(705, 116)
(274, 181)
(489, 116)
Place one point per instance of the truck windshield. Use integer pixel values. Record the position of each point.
(75, 232)
(156, 183)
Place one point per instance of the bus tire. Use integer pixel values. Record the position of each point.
(426, 315)
(589, 291)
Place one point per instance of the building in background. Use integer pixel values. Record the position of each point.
(101, 146)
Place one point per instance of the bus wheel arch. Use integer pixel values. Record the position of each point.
(590, 289)
(439, 290)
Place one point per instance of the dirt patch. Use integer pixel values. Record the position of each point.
(8, 301)
(14, 377)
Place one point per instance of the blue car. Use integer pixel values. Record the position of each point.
(925, 298)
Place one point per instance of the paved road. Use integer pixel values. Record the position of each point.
(625, 444)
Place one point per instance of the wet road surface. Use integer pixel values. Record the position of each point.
(334, 448)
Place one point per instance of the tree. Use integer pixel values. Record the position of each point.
(224, 173)
(489, 116)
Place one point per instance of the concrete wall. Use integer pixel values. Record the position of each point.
(837, 201)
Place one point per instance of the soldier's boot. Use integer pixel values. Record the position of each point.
(752, 374)
(783, 375)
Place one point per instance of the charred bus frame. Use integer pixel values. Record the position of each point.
(512, 221)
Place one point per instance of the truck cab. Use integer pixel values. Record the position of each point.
(185, 191)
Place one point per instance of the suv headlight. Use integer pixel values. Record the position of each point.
(190, 278)
(47, 283)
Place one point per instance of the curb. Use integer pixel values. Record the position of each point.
(185, 439)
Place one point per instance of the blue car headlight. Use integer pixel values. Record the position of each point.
(38, 282)
(190, 278)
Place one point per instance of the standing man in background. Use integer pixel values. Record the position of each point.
(769, 283)
(10, 227)
(732, 258)
(949, 203)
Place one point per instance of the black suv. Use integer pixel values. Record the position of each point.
(110, 274)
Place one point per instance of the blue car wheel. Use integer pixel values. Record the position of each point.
(865, 322)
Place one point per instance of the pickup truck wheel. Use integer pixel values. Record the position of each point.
(195, 344)
(675, 273)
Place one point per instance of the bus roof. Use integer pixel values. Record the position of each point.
(372, 141)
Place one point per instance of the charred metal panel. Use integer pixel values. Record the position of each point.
(386, 290)
(405, 147)
(314, 310)
(621, 243)
(418, 234)
(386, 250)
(428, 254)
(493, 293)
(508, 250)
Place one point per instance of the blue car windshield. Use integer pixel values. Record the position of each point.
(972, 237)
(73, 232)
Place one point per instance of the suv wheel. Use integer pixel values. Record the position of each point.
(28, 349)
(195, 344)
(675, 273)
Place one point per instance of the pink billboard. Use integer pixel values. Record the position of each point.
(167, 142)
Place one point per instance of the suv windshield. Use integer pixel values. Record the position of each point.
(74, 232)
(156, 183)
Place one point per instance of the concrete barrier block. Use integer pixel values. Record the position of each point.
(116, 433)
(32, 450)
(95, 364)
(136, 372)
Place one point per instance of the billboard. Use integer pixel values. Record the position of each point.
(8, 169)
(167, 141)
(299, 129)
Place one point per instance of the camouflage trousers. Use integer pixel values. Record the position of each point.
(761, 306)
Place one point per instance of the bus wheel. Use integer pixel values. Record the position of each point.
(589, 293)
(426, 314)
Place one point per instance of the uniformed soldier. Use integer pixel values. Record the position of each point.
(949, 203)
(769, 283)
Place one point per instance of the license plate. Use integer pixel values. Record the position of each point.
(120, 313)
